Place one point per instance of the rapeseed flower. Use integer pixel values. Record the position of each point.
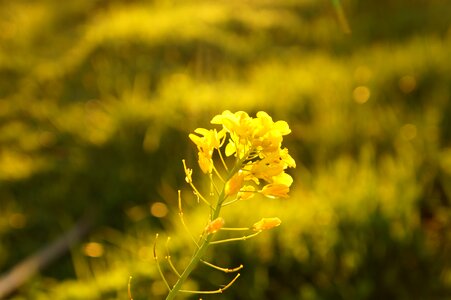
(257, 145)
(242, 158)
(206, 143)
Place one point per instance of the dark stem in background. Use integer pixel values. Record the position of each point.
(20, 273)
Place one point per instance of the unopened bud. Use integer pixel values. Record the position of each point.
(214, 225)
(266, 223)
(234, 184)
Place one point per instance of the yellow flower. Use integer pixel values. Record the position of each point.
(214, 225)
(205, 162)
(283, 178)
(275, 190)
(287, 159)
(206, 143)
(266, 223)
(240, 127)
(256, 142)
(247, 192)
(267, 134)
(239, 123)
(266, 168)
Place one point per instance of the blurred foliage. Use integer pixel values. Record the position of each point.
(97, 98)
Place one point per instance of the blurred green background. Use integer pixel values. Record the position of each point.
(97, 99)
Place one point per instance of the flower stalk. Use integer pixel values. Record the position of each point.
(259, 168)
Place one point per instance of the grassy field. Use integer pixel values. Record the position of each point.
(97, 99)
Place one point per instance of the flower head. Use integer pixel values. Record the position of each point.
(257, 145)
(206, 141)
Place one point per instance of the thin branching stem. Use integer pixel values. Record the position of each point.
(218, 291)
(231, 202)
(214, 184)
(225, 270)
(217, 174)
(199, 195)
(182, 219)
(222, 160)
(168, 257)
(155, 257)
(205, 242)
(130, 288)
(235, 228)
(243, 238)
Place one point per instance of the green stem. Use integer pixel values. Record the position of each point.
(192, 264)
(200, 251)
(197, 255)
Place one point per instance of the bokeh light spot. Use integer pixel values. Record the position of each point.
(361, 94)
(158, 288)
(145, 253)
(136, 213)
(408, 132)
(362, 74)
(407, 84)
(17, 220)
(159, 209)
(93, 249)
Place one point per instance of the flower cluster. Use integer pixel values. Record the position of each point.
(256, 144)
(242, 158)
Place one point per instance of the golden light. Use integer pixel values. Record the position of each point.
(17, 220)
(408, 132)
(159, 209)
(407, 84)
(362, 74)
(93, 249)
(136, 213)
(361, 94)
(145, 253)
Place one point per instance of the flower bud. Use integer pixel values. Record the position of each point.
(266, 223)
(214, 225)
(234, 184)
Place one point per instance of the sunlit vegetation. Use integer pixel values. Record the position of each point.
(97, 99)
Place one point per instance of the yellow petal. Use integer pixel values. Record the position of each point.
(196, 139)
(205, 163)
(282, 127)
(283, 178)
(202, 131)
(246, 192)
(275, 190)
(230, 149)
(287, 159)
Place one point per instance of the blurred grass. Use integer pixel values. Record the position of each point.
(97, 99)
